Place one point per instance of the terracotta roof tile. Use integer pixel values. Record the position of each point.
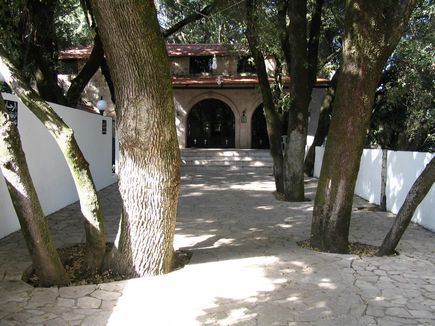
(174, 50)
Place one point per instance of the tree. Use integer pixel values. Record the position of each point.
(372, 31)
(414, 197)
(403, 118)
(149, 155)
(298, 47)
(77, 164)
(272, 111)
(45, 259)
(322, 126)
(302, 64)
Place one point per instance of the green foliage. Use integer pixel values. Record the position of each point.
(224, 25)
(404, 115)
(71, 26)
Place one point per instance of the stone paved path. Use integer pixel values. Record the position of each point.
(246, 268)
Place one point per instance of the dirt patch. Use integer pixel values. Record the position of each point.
(73, 259)
(355, 248)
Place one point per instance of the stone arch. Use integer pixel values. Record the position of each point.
(210, 123)
(259, 138)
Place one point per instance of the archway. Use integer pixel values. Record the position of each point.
(211, 124)
(259, 138)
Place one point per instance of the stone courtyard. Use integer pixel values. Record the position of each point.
(246, 268)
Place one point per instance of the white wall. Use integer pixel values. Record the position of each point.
(49, 171)
(368, 183)
(403, 168)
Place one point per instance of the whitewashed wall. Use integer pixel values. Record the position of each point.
(403, 168)
(368, 183)
(50, 173)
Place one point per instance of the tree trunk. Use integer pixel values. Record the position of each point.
(149, 155)
(78, 166)
(300, 99)
(34, 227)
(416, 194)
(372, 30)
(273, 118)
(91, 66)
(322, 126)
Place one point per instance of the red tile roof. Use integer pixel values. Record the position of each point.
(229, 80)
(174, 50)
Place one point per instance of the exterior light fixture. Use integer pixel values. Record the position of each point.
(219, 81)
(244, 118)
(101, 105)
(214, 62)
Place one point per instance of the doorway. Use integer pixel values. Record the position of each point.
(211, 124)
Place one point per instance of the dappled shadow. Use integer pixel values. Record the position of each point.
(246, 268)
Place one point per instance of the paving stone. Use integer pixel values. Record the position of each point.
(423, 314)
(62, 302)
(74, 292)
(10, 307)
(72, 315)
(105, 295)
(97, 319)
(56, 322)
(227, 220)
(41, 319)
(88, 303)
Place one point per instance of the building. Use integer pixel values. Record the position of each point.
(217, 100)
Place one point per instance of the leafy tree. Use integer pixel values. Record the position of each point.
(149, 155)
(45, 259)
(272, 110)
(77, 164)
(296, 44)
(403, 118)
(208, 21)
(372, 31)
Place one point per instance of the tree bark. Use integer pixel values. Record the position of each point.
(322, 126)
(149, 155)
(78, 166)
(34, 227)
(416, 194)
(273, 118)
(372, 30)
(91, 66)
(300, 99)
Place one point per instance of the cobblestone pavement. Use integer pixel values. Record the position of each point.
(246, 268)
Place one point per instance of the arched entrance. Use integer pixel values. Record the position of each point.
(210, 124)
(259, 138)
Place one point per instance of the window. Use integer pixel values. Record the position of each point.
(199, 65)
(246, 65)
(68, 67)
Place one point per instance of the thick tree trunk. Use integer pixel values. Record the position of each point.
(372, 30)
(149, 154)
(300, 99)
(34, 227)
(273, 118)
(416, 194)
(322, 126)
(78, 166)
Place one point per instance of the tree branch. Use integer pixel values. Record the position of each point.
(79, 83)
(206, 11)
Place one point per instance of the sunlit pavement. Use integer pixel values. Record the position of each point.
(246, 268)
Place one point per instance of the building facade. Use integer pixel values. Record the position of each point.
(217, 100)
